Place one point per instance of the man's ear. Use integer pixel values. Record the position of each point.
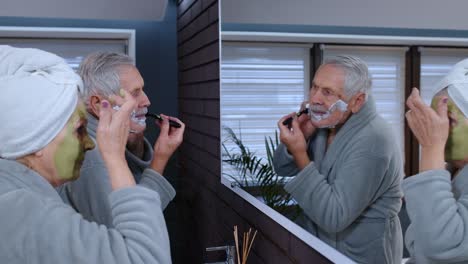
(95, 105)
(358, 102)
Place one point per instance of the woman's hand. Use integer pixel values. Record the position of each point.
(112, 135)
(430, 127)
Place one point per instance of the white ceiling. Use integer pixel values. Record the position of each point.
(418, 14)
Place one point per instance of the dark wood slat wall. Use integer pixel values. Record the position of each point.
(207, 210)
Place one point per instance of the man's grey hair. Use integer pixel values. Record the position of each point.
(100, 74)
(357, 76)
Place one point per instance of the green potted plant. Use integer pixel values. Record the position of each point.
(257, 175)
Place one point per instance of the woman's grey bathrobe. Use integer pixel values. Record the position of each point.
(351, 193)
(36, 226)
(438, 210)
(88, 194)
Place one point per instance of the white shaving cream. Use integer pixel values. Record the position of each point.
(139, 121)
(338, 105)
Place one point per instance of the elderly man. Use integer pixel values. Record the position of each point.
(347, 164)
(104, 74)
(439, 221)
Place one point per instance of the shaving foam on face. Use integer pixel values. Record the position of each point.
(141, 121)
(338, 105)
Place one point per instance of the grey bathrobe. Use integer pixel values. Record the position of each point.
(438, 210)
(88, 194)
(350, 193)
(36, 226)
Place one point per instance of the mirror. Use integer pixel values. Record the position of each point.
(269, 56)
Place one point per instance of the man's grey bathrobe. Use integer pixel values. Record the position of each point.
(36, 226)
(88, 194)
(350, 193)
(438, 210)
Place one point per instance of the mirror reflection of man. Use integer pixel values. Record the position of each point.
(347, 165)
(437, 197)
(108, 76)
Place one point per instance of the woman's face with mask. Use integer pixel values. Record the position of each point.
(63, 156)
(456, 149)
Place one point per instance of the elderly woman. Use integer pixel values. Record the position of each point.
(437, 197)
(43, 141)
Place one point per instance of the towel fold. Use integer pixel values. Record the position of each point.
(38, 94)
(457, 83)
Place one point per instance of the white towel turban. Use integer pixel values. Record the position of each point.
(38, 94)
(457, 83)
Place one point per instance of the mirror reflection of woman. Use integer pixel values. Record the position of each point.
(437, 197)
(43, 142)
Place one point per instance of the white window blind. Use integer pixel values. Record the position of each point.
(72, 50)
(435, 64)
(260, 83)
(387, 67)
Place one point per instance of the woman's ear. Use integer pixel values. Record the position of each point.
(357, 103)
(95, 105)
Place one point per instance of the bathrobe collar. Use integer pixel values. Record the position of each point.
(350, 129)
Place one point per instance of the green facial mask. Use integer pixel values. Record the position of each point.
(70, 152)
(457, 143)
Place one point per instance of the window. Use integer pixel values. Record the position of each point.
(260, 84)
(72, 44)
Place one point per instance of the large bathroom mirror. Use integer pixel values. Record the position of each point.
(270, 51)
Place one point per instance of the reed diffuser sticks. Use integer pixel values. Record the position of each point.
(247, 242)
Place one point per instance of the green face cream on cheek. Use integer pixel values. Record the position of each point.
(70, 152)
(457, 143)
